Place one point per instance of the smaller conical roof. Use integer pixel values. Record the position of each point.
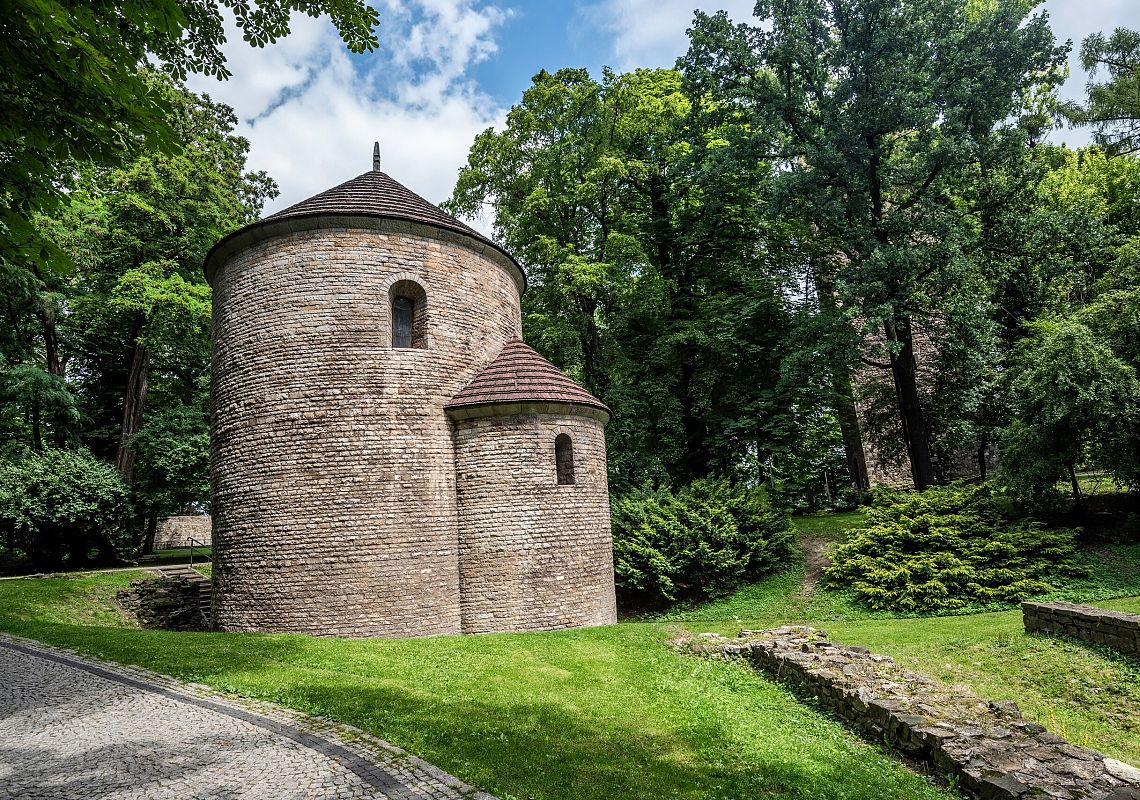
(520, 375)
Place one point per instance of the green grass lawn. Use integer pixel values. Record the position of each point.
(600, 713)
(615, 712)
(832, 527)
(1088, 694)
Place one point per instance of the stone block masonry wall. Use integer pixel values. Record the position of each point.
(177, 531)
(334, 473)
(170, 603)
(533, 554)
(1115, 629)
(993, 752)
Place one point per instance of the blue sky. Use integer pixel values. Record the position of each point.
(447, 69)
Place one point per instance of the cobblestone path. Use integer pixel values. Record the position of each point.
(72, 729)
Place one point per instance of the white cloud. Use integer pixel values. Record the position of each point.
(651, 33)
(311, 110)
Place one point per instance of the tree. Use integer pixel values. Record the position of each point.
(74, 88)
(1113, 106)
(59, 507)
(1075, 401)
(886, 114)
(640, 231)
(139, 308)
(113, 354)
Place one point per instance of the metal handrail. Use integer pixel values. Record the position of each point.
(202, 545)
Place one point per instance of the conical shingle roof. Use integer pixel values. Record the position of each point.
(377, 194)
(371, 194)
(520, 375)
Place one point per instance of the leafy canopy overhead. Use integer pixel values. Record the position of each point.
(885, 119)
(72, 87)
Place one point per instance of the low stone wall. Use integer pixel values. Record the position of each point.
(177, 531)
(992, 752)
(1116, 629)
(170, 603)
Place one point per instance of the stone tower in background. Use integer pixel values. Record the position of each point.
(389, 458)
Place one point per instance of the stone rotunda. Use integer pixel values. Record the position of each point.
(389, 458)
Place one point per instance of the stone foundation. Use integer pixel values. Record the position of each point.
(988, 748)
(169, 603)
(1114, 629)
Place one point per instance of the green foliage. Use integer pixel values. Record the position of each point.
(75, 88)
(63, 507)
(1074, 401)
(128, 325)
(651, 275)
(947, 548)
(173, 460)
(1113, 107)
(40, 399)
(887, 117)
(700, 542)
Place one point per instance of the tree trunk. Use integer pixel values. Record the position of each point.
(843, 393)
(51, 342)
(151, 534)
(46, 316)
(134, 401)
(1078, 498)
(593, 366)
(848, 416)
(904, 370)
(982, 464)
(694, 460)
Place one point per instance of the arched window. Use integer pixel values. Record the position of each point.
(564, 458)
(403, 312)
(409, 314)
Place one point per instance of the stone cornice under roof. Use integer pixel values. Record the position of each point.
(373, 195)
(519, 380)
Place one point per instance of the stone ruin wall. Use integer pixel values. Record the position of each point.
(177, 531)
(334, 478)
(1115, 629)
(990, 750)
(168, 603)
(533, 554)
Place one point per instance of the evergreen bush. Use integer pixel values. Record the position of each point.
(62, 508)
(947, 548)
(700, 542)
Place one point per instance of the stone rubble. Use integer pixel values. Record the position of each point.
(988, 747)
(170, 603)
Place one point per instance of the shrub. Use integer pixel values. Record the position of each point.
(946, 548)
(700, 542)
(59, 507)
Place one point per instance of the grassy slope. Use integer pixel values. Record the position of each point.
(601, 713)
(1087, 694)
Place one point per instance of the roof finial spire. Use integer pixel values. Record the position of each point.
(376, 156)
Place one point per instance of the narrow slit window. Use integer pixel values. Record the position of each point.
(564, 459)
(403, 314)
